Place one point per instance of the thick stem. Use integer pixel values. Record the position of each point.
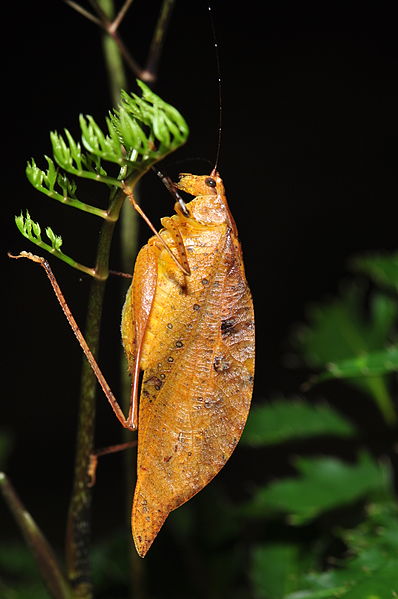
(78, 524)
(114, 64)
(78, 527)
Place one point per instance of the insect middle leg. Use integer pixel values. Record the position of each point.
(181, 264)
(92, 468)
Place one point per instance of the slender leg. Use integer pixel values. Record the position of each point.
(117, 273)
(92, 469)
(138, 208)
(171, 226)
(83, 344)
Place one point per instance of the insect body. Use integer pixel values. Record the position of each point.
(192, 335)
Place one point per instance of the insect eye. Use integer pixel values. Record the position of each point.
(210, 182)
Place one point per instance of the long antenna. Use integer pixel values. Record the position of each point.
(213, 28)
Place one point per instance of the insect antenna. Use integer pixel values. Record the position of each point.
(218, 66)
(189, 159)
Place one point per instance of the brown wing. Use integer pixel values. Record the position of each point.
(197, 387)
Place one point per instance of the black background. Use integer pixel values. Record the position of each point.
(308, 157)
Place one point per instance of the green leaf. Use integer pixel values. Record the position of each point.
(51, 174)
(32, 231)
(70, 157)
(56, 240)
(371, 364)
(132, 134)
(68, 186)
(382, 268)
(34, 174)
(107, 147)
(287, 419)
(383, 320)
(377, 584)
(382, 524)
(275, 569)
(57, 186)
(322, 484)
(337, 332)
(369, 570)
(167, 130)
(142, 131)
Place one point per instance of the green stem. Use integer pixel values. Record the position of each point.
(72, 202)
(113, 59)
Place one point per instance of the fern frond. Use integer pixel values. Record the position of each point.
(142, 131)
(32, 231)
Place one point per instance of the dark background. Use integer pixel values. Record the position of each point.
(308, 157)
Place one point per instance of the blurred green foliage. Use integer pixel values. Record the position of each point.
(353, 339)
(381, 268)
(324, 483)
(288, 419)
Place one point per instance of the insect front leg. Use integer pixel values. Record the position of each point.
(172, 227)
(79, 336)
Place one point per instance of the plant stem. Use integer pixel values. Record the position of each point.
(78, 524)
(128, 249)
(155, 50)
(113, 59)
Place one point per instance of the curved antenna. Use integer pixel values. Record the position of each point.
(213, 28)
(191, 159)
